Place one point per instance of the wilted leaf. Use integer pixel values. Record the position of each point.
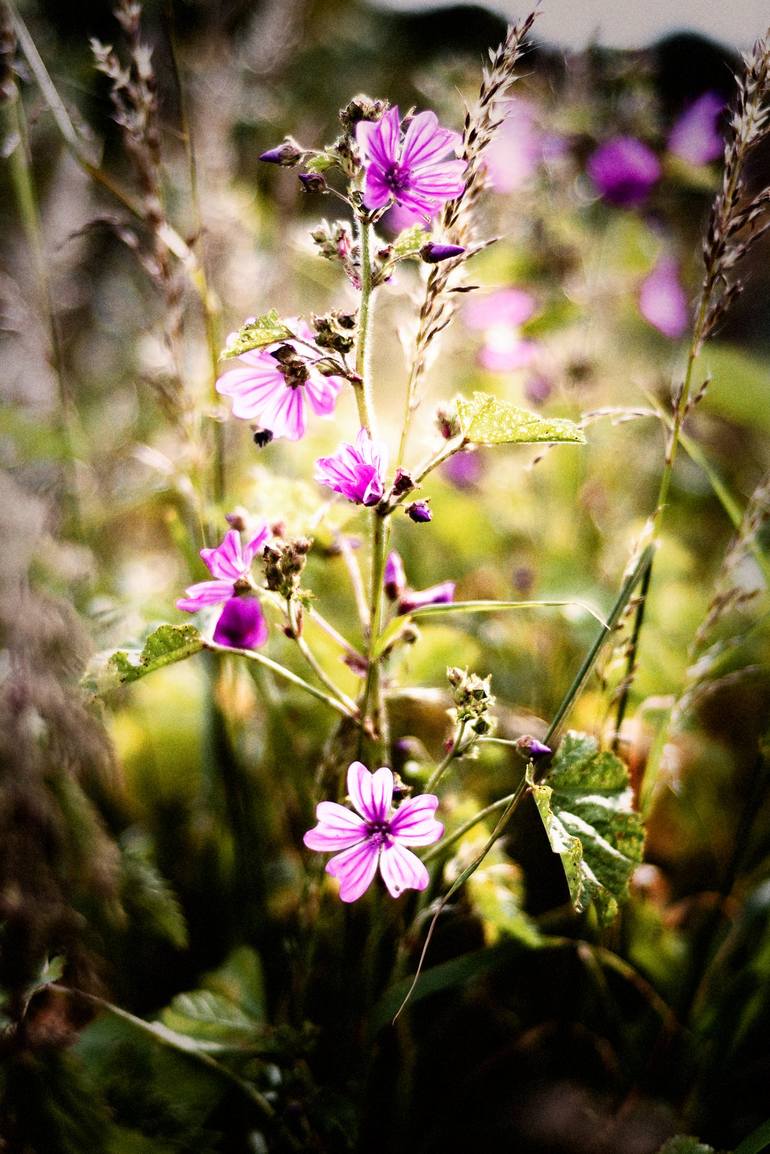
(488, 421)
(256, 333)
(586, 805)
(165, 645)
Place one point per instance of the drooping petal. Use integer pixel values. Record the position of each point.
(226, 561)
(338, 828)
(414, 822)
(205, 593)
(370, 793)
(401, 870)
(355, 868)
(241, 624)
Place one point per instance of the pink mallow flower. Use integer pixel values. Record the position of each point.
(412, 171)
(662, 300)
(695, 135)
(499, 316)
(624, 170)
(356, 471)
(262, 391)
(241, 624)
(375, 835)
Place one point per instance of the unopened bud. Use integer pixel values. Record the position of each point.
(419, 511)
(433, 253)
(532, 749)
(402, 483)
(287, 154)
(395, 576)
(313, 182)
(448, 422)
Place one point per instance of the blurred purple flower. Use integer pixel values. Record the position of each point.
(663, 301)
(537, 389)
(443, 594)
(410, 171)
(516, 149)
(499, 315)
(261, 392)
(241, 624)
(356, 471)
(695, 135)
(395, 576)
(375, 835)
(624, 170)
(463, 470)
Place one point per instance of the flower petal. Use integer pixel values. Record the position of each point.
(322, 392)
(355, 868)
(226, 561)
(253, 547)
(241, 624)
(338, 828)
(402, 870)
(425, 140)
(205, 593)
(370, 793)
(378, 140)
(414, 823)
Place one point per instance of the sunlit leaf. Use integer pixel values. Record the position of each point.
(586, 805)
(165, 645)
(409, 241)
(256, 333)
(488, 421)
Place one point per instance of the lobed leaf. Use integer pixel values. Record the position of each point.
(256, 334)
(586, 805)
(488, 421)
(164, 646)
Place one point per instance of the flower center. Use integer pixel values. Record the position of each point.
(397, 178)
(378, 831)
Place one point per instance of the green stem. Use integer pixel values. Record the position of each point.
(371, 698)
(454, 751)
(310, 658)
(362, 387)
(287, 675)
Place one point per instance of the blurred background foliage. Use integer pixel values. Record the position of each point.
(151, 844)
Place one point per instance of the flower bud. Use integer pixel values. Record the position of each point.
(395, 577)
(402, 483)
(448, 422)
(419, 511)
(287, 154)
(442, 594)
(313, 182)
(361, 108)
(532, 749)
(433, 253)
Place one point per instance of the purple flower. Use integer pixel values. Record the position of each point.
(375, 835)
(356, 471)
(241, 623)
(695, 135)
(263, 391)
(443, 594)
(409, 171)
(395, 577)
(516, 149)
(663, 301)
(499, 315)
(419, 511)
(464, 470)
(624, 170)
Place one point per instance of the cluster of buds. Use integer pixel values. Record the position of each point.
(360, 108)
(335, 330)
(284, 563)
(292, 367)
(335, 242)
(473, 699)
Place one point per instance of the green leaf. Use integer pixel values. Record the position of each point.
(164, 646)
(148, 896)
(256, 333)
(684, 1144)
(488, 421)
(586, 805)
(229, 1010)
(409, 241)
